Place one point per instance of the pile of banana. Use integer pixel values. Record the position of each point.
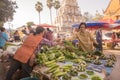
(81, 66)
(110, 61)
(41, 58)
(50, 57)
(56, 70)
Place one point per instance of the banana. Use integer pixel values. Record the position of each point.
(50, 65)
(56, 71)
(61, 58)
(49, 62)
(66, 70)
(53, 68)
(67, 66)
(60, 74)
(44, 56)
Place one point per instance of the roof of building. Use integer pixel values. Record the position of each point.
(113, 9)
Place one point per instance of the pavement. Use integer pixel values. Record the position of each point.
(109, 52)
(115, 74)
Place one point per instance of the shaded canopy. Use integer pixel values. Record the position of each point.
(46, 25)
(92, 24)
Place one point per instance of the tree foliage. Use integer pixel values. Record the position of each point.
(49, 3)
(98, 16)
(87, 16)
(56, 4)
(39, 6)
(30, 23)
(7, 10)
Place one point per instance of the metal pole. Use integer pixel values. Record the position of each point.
(39, 17)
(9, 29)
(50, 16)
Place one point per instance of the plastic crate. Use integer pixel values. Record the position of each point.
(29, 78)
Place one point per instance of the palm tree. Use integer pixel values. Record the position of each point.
(39, 8)
(50, 4)
(56, 5)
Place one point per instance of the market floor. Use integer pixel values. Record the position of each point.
(115, 74)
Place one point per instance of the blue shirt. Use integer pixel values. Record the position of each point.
(3, 38)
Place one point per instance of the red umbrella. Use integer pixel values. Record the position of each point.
(47, 25)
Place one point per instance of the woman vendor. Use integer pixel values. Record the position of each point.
(86, 40)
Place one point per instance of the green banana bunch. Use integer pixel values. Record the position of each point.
(41, 58)
(58, 74)
(80, 67)
(61, 58)
(73, 55)
(50, 63)
(51, 56)
(52, 69)
(77, 60)
(83, 63)
(73, 72)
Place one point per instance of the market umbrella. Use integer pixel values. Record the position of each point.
(92, 24)
(114, 26)
(47, 25)
(96, 23)
(117, 21)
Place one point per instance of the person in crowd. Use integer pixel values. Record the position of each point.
(118, 35)
(99, 39)
(49, 35)
(25, 55)
(58, 40)
(114, 38)
(25, 34)
(24, 31)
(86, 40)
(16, 36)
(31, 30)
(3, 38)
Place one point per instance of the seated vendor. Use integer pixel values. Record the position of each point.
(86, 40)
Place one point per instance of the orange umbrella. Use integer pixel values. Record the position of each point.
(47, 25)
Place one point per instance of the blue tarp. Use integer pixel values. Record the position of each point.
(91, 24)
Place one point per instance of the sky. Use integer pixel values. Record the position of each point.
(26, 11)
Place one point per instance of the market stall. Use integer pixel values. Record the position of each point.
(69, 63)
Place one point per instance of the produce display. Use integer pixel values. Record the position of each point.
(90, 72)
(97, 62)
(73, 72)
(96, 78)
(54, 60)
(109, 63)
(103, 57)
(83, 76)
